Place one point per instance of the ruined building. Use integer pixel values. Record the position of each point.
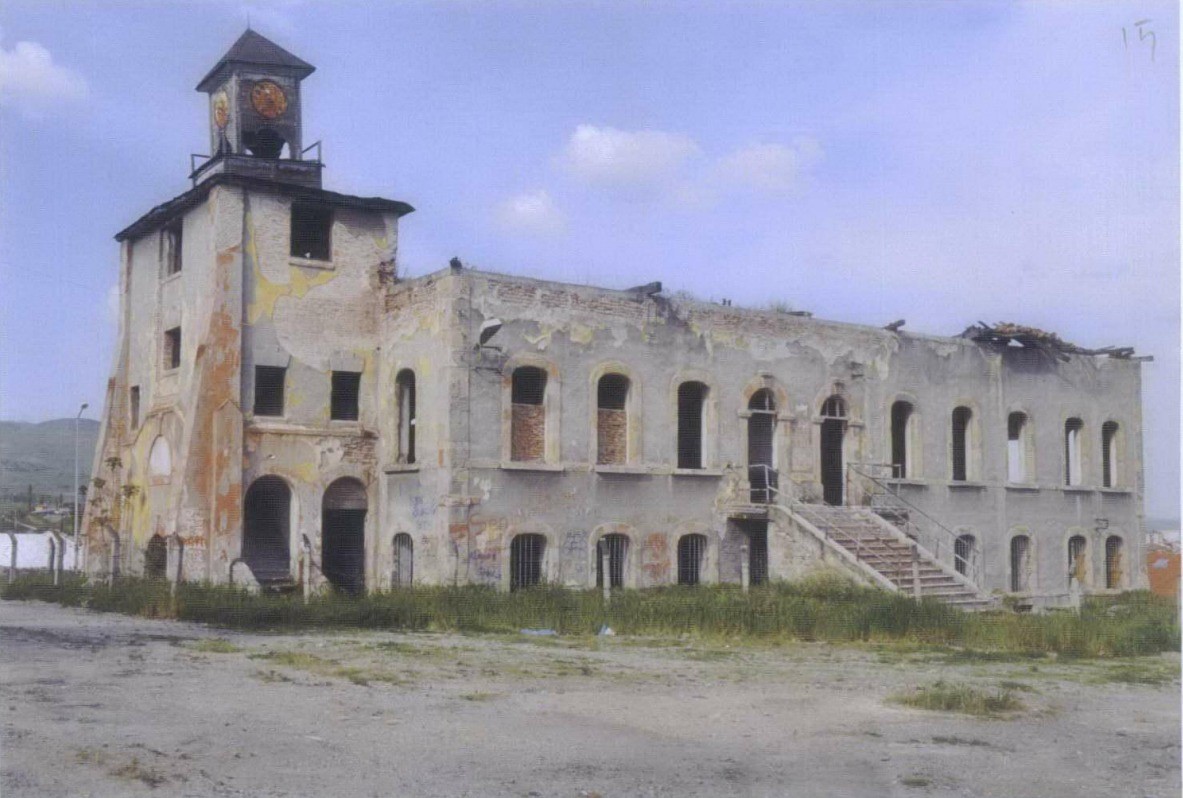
(286, 408)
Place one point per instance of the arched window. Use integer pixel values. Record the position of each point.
(1073, 471)
(691, 406)
(612, 419)
(343, 538)
(155, 558)
(965, 554)
(405, 395)
(1018, 449)
(1109, 458)
(160, 458)
(528, 415)
(691, 552)
(762, 474)
(404, 560)
(614, 549)
(833, 435)
(1114, 567)
(526, 554)
(901, 444)
(1020, 564)
(1077, 558)
(962, 416)
(267, 512)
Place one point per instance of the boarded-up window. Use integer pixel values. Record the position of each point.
(528, 414)
(1109, 454)
(691, 551)
(901, 422)
(269, 382)
(405, 389)
(1113, 563)
(691, 403)
(172, 348)
(343, 404)
(1020, 564)
(961, 420)
(312, 226)
(612, 420)
(1072, 453)
(172, 247)
(525, 561)
(134, 406)
(614, 549)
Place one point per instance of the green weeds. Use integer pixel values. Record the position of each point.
(944, 697)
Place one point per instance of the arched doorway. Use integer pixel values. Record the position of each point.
(761, 452)
(404, 560)
(155, 558)
(526, 554)
(691, 553)
(614, 547)
(343, 535)
(833, 433)
(267, 513)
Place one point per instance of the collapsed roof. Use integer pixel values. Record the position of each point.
(1052, 345)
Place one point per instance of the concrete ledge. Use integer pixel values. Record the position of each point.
(1023, 486)
(697, 472)
(400, 468)
(641, 470)
(967, 485)
(1078, 489)
(1117, 491)
(514, 465)
(909, 483)
(347, 429)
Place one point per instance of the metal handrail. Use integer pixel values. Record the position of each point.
(314, 145)
(970, 567)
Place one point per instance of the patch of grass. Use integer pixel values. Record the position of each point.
(91, 756)
(271, 676)
(477, 696)
(943, 697)
(136, 771)
(215, 645)
(1022, 687)
(955, 740)
(916, 781)
(823, 608)
(1138, 672)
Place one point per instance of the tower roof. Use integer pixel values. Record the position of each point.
(255, 50)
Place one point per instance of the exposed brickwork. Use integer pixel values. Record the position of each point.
(528, 439)
(612, 434)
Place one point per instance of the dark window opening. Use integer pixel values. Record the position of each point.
(172, 348)
(528, 415)
(1072, 454)
(156, 558)
(762, 477)
(134, 409)
(614, 548)
(1077, 565)
(266, 142)
(269, 385)
(1113, 563)
(265, 529)
(901, 420)
(961, 419)
(344, 401)
(1016, 448)
(1108, 452)
(1020, 564)
(691, 403)
(405, 388)
(757, 532)
(612, 420)
(963, 553)
(312, 227)
(172, 247)
(691, 551)
(404, 560)
(525, 561)
(833, 435)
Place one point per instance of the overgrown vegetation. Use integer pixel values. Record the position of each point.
(828, 609)
(944, 697)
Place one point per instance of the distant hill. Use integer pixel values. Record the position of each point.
(42, 455)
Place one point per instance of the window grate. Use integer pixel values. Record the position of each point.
(269, 386)
(691, 550)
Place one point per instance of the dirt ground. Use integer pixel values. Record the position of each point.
(106, 705)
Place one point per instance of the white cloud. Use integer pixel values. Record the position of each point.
(768, 168)
(644, 159)
(33, 84)
(533, 212)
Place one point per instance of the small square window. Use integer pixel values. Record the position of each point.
(343, 404)
(172, 248)
(134, 408)
(312, 227)
(172, 348)
(269, 382)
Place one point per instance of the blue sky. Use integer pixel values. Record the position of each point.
(941, 162)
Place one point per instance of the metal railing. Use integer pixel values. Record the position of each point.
(763, 483)
(881, 494)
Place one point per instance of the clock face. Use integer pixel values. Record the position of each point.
(268, 99)
(221, 110)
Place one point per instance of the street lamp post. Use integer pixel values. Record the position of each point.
(77, 418)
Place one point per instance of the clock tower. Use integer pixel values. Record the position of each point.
(254, 114)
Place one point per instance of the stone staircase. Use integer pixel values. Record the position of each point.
(877, 544)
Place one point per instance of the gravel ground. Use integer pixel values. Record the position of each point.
(106, 705)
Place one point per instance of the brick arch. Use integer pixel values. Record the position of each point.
(551, 406)
(633, 410)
